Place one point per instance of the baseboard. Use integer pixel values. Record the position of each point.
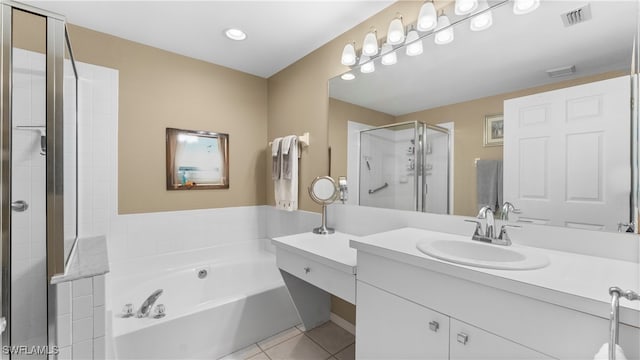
(343, 323)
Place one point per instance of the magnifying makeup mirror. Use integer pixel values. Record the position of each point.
(323, 191)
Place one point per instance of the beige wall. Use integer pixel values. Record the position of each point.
(159, 89)
(468, 118)
(339, 113)
(298, 96)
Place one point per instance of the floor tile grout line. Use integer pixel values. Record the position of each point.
(343, 349)
(317, 343)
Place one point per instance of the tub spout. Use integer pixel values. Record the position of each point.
(146, 306)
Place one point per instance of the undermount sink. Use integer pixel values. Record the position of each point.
(479, 254)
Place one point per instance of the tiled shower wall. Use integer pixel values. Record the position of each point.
(81, 303)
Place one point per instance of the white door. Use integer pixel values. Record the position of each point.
(567, 156)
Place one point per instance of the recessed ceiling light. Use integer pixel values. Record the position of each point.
(348, 76)
(235, 34)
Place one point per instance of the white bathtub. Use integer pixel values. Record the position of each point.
(241, 301)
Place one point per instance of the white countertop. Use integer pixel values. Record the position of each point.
(331, 250)
(89, 258)
(575, 281)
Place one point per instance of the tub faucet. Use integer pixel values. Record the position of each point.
(146, 306)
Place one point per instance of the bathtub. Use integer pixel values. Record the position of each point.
(241, 300)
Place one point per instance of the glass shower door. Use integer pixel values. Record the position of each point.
(435, 171)
(28, 186)
(388, 167)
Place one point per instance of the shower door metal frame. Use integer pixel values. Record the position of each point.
(56, 40)
(5, 173)
(422, 163)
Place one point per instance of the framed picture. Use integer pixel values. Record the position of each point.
(197, 160)
(493, 130)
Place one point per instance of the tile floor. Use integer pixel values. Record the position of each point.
(328, 341)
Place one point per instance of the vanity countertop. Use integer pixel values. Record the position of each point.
(331, 250)
(575, 281)
(89, 258)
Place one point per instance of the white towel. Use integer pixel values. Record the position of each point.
(603, 353)
(275, 157)
(286, 187)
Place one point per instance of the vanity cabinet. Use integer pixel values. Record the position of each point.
(390, 327)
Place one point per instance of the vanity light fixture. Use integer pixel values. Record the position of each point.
(347, 76)
(366, 66)
(464, 7)
(413, 43)
(444, 31)
(235, 34)
(389, 56)
(370, 44)
(349, 54)
(395, 34)
(428, 18)
(521, 7)
(483, 20)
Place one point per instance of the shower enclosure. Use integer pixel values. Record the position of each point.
(405, 166)
(38, 197)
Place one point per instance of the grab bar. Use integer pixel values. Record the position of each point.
(378, 189)
(614, 316)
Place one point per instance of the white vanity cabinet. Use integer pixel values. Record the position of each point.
(390, 327)
(550, 313)
(313, 267)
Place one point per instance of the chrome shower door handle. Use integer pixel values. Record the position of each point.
(3, 324)
(19, 206)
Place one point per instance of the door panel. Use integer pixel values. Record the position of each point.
(567, 155)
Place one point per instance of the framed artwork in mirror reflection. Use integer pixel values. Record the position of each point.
(197, 160)
(493, 130)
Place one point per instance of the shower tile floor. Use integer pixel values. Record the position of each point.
(327, 341)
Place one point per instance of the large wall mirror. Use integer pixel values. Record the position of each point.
(534, 110)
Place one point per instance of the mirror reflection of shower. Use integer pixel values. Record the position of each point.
(405, 166)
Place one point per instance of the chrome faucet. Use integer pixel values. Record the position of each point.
(488, 235)
(146, 306)
(507, 208)
(487, 213)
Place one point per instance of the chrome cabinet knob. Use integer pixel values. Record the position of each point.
(434, 326)
(307, 270)
(463, 338)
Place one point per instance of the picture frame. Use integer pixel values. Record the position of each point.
(197, 160)
(493, 130)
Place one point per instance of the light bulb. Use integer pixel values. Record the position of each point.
(464, 7)
(443, 36)
(370, 44)
(349, 55)
(366, 66)
(414, 44)
(482, 21)
(521, 7)
(427, 19)
(395, 35)
(389, 56)
(348, 76)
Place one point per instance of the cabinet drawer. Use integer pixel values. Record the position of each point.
(336, 282)
(470, 342)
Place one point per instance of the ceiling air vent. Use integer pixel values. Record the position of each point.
(577, 16)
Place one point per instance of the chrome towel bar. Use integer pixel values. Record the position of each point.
(614, 316)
